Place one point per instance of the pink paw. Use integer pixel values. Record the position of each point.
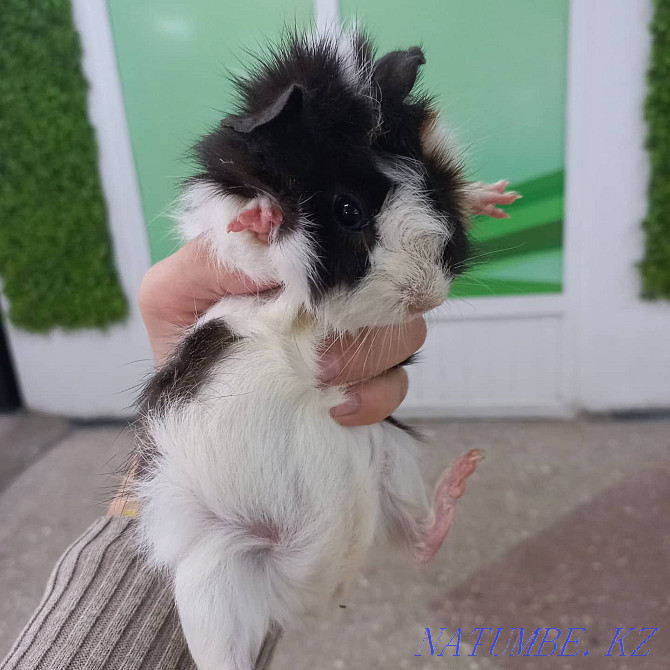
(260, 219)
(486, 197)
(449, 488)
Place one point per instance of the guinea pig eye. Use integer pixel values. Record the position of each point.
(348, 212)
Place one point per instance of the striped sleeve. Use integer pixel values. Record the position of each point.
(104, 610)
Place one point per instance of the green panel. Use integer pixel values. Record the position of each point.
(526, 250)
(542, 202)
(470, 287)
(499, 71)
(173, 56)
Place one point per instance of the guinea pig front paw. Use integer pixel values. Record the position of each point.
(485, 198)
(260, 217)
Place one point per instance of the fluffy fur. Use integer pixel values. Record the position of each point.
(259, 504)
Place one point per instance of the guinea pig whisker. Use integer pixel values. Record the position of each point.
(473, 281)
(304, 201)
(385, 348)
(375, 337)
(378, 360)
(360, 345)
(488, 254)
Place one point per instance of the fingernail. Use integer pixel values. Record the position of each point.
(330, 366)
(351, 406)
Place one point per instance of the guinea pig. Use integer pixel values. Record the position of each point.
(334, 180)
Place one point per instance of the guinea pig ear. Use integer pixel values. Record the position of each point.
(396, 72)
(289, 102)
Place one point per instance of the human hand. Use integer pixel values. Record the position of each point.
(179, 289)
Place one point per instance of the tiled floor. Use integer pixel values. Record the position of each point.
(565, 524)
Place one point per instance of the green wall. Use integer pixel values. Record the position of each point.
(499, 69)
(173, 56)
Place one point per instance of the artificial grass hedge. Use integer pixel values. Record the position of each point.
(655, 268)
(55, 253)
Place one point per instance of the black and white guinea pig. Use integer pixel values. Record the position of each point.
(335, 181)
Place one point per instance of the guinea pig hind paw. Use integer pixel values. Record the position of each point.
(449, 488)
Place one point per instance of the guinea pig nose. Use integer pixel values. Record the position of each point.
(422, 305)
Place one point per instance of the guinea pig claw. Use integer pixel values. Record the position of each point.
(487, 197)
(259, 219)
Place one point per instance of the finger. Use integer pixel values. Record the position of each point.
(373, 400)
(192, 277)
(371, 352)
(182, 287)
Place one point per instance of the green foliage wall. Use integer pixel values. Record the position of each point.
(56, 259)
(655, 268)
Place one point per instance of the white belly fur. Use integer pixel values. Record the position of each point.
(258, 449)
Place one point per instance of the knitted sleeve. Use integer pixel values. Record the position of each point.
(103, 608)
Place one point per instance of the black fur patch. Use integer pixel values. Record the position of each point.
(404, 427)
(188, 368)
(410, 360)
(444, 177)
(304, 133)
(404, 121)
